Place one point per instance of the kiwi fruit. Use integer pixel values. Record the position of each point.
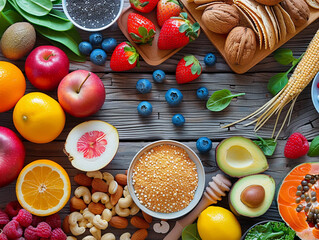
(17, 40)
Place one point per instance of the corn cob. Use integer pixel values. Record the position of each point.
(301, 77)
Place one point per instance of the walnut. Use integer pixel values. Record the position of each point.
(221, 18)
(298, 11)
(240, 45)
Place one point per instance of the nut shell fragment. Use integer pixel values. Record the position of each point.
(298, 11)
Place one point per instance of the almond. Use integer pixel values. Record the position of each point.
(96, 208)
(139, 222)
(140, 235)
(66, 225)
(147, 217)
(99, 185)
(77, 203)
(116, 196)
(121, 179)
(118, 222)
(83, 180)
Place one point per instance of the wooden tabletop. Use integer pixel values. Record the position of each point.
(135, 132)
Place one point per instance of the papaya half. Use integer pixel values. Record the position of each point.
(297, 200)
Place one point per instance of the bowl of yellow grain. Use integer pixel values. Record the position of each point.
(166, 179)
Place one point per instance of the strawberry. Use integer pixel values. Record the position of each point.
(144, 6)
(296, 146)
(188, 69)
(167, 9)
(141, 29)
(124, 57)
(177, 32)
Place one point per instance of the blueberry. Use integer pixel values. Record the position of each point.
(96, 39)
(173, 96)
(159, 76)
(98, 56)
(109, 44)
(144, 86)
(178, 120)
(202, 93)
(85, 48)
(204, 145)
(209, 59)
(144, 108)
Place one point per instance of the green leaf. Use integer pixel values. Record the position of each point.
(277, 82)
(142, 31)
(268, 146)
(8, 18)
(219, 100)
(71, 55)
(183, 28)
(56, 1)
(2, 4)
(132, 59)
(183, 15)
(144, 4)
(196, 26)
(284, 56)
(314, 148)
(35, 7)
(58, 14)
(190, 232)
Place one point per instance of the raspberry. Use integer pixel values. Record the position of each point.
(36, 220)
(3, 236)
(43, 230)
(30, 233)
(13, 208)
(296, 146)
(20, 238)
(54, 221)
(58, 234)
(24, 218)
(13, 230)
(4, 218)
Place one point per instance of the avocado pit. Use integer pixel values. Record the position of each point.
(253, 196)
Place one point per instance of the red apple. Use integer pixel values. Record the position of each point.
(81, 93)
(46, 66)
(12, 154)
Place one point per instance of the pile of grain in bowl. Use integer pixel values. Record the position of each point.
(165, 179)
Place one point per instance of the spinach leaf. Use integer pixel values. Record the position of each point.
(284, 56)
(268, 146)
(2, 4)
(58, 14)
(56, 1)
(190, 232)
(219, 100)
(35, 7)
(8, 18)
(314, 148)
(71, 55)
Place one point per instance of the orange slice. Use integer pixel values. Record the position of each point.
(43, 187)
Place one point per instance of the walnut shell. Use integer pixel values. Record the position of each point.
(240, 45)
(298, 11)
(221, 18)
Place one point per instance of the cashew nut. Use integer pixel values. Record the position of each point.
(71, 238)
(89, 238)
(88, 215)
(162, 227)
(125, 202)
(109, 205)
(100, 196)
(122, 212)
(83, 192)
(108, 236)
(96, 232)
(83, 223)
(100, 223)
(74, 218)
(125, 236)
(134, 209)
(113, 211)
(107, 214)
(95, 174)
(108, 177)
(125, 191)
(113, 187)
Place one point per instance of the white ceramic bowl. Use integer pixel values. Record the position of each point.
(315, 92)
(198, 192)
(92, 29)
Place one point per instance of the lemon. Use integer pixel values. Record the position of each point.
(217, 223)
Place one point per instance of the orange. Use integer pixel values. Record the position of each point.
(38, 117)
(12, 85)
(43, 187)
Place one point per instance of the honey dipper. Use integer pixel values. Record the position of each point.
(214, 191)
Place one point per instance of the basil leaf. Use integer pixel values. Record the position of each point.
(277, 82)
(284, 56)
(268, 146)
(35, 7)
(190, 232)
(314, 148)
(2, 4)
(219, 100)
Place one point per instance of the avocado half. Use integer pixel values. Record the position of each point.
(236, 204)
(239, 156)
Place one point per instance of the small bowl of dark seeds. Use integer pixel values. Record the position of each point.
(93, 15)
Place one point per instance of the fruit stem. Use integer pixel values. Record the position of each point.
(47, 57)
(24, 118)
(89, 74)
